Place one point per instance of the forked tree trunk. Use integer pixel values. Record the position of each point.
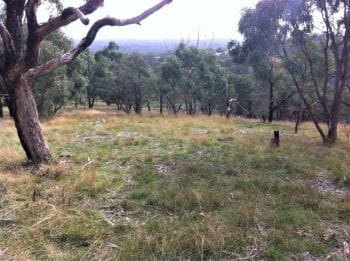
(26, 119)
(91, 102)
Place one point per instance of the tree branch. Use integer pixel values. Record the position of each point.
(90, 37)
(36, 32)
(284, 100)
(68, 16)
(302, 96)
(9, 46)
(321, 97)
(81, 16)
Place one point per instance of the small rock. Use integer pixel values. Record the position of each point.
(330, 234)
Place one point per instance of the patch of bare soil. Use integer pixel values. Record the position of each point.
(323, 184)
(163, 169)
(128, 134)
(201, 131)
(94, 136)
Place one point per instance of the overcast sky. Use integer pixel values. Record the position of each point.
(182, 19)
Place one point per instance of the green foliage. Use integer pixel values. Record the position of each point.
(119, 78)
(52, 90)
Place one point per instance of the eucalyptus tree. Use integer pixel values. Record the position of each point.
(102, 74)
(20, 67)
(79, 72)
(51, 91)
(131, 77)
(260, 51)
(172, 76)
(190, 58)
(243, 95)
(326, 56)
(138, 76)
(212, 79)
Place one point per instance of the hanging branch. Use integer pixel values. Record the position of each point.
(90, 37)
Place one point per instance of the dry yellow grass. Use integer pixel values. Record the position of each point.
(165, 187)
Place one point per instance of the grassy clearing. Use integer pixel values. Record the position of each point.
(152, 187)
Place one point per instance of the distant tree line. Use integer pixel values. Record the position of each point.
(189, 80)
(247, 81)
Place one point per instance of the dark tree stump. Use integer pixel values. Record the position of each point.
(275, 142)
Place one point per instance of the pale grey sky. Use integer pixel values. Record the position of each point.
(180, 20)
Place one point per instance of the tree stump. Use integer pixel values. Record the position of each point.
(275, 142)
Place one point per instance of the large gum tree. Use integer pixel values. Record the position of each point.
(314, 34)
(22, 39)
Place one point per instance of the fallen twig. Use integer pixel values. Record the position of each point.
(43, 220)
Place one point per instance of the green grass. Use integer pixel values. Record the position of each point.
(170, 188)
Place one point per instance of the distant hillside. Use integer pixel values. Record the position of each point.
(156, 46)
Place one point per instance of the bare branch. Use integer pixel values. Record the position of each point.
(10, 50)
(81, 16)
(68, 16)
(284, 100)
(36, 33)
(303, 97)
(90, 37)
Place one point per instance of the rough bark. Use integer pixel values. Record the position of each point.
(27, 122)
